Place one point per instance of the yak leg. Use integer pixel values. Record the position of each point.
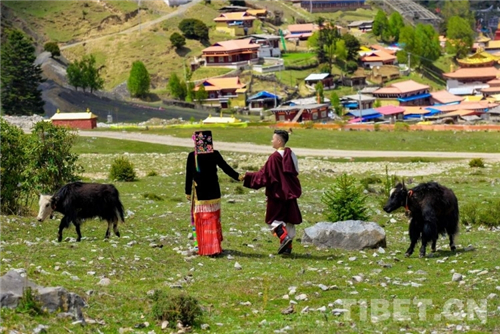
(414, 235)
(115, 228)
(429, 233)
(433, 245)
(452, 242)
(77, 223)
(64, 224)
(107, 231)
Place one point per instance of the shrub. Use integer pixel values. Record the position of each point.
(177, 40)
(476, 162)
(401, 127)
(351, 66)
(376, 127)
(29, 304)
(152, 196)
(173, 308)
(122, 170)
(53, 48)
(345, 200)
(469, 214)
(152, 173)
(307, 125)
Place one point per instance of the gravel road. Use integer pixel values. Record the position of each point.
(263, 149)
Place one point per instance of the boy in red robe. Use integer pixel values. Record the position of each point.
(279, 176)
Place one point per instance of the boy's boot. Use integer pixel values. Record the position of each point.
(281, 233)
(288, 249)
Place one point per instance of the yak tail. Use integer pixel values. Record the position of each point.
(119, 211)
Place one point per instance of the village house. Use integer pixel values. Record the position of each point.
(352, 102)
(361, 26)
(406, 93)
(224, 92)
(461, 114)
(391, 113)
(301, 31)
(301, 112)
(263, 100)
(480, 107)
(269, 45)
(443, 97)
(377, 56)
(233, 53)
(77, 120)
(419, 113)
(364, 115)
(469, 81)
(235, 24)
(321, 6)
(325, 78)
(493, 89)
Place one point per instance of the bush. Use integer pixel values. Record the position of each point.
(173, 308)
(345, 200)
(401, 127)
(477, 162)
(122, 170)
(177, 40)
(376, 127)
(53, 48)
(152, 173)
(29, 304)
(486, 213)
(351, 66)
(469, 214)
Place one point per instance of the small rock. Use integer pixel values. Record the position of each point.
(302, 296)
(492, 296)
(357, 279)
(456, 277)
(338, 311)
(321, 309)
(323, 287)
(205, 326)
(40, 329)
(469, 248)
(305, 310)
(352, 258)
(237, 266)
(104, 282)
(381, 250)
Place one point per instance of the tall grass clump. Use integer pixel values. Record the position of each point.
(174, 308)
(29, 304)
(486, 213)
(401, 127)
(345, 200)
(476, 162)
(122, 170)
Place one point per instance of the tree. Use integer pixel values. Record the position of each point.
(53, 48)
(344, 200)
(352, 45)
(84, 74)
(20, 77)
(380, 23)
(176, 87)
(328, 35)
(201, 94)
(320, 92)
(190, 93)
(460, 9)
(460, 36)
(177, 40)
(396, 23)
(422, 43)
(334, 51)
(138, 81)
(194, 29)
(335, 102)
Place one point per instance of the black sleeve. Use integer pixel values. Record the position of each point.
(225, 167)
(189, 173)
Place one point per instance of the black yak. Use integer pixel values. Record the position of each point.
(78, 201)
(433, 210)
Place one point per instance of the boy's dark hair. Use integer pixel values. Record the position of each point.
(283, 134)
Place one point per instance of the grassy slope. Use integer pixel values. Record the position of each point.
(223, 291)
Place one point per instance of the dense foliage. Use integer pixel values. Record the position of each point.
(139, 80)
(53, 48)
(20, 77)
(84, 74)
(194, 29)
(176, 87)
(174, 308)
(39, 162)
(177, 40)
(122, 170)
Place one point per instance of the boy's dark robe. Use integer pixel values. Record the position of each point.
(207, 181)
(283, 188)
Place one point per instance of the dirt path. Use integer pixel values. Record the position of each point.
(181, 9)
(263, 149)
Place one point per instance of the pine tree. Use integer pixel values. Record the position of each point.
(20, 77)
(139, 80)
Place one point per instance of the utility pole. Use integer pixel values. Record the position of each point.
(409, 63)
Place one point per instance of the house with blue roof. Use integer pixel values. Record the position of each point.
(263, 100)
(364, 115)
(405, 93)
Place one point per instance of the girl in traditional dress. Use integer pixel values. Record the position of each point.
(202, 189)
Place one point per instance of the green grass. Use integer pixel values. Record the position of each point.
(299, 58)
(438, 141)
(265, 278)
(208, 72)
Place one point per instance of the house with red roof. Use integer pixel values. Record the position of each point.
(391, 113)
(406, 93)
(235, 24)
(377, 56)
(470, 81)
(224, 92)
(233, 53)
(443, 97)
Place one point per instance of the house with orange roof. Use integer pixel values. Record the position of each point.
(235, 24)
(301, 31)
(224, 92)
(493, 89)
(232, 53)
(260, 13)
(406, 93)
(469, 81)
(479, 106)
(443, 97)
(377, 56)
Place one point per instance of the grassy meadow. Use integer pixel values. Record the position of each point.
(389, 298)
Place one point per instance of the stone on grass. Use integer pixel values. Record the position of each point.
(349, 235)
(456, 277)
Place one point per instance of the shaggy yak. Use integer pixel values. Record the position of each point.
(78, 201)
(433, 210)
